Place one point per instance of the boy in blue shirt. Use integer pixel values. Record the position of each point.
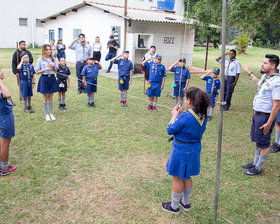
(27, 82)
(63, 82)
(213, 86)
(156, 80)
(125, 70)
(181, 79)
(89, 74)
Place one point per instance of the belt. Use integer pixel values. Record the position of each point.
(124, 77)
(260, 113)
(49, 75)
(176, 141)
(82, 61)
(228, 76)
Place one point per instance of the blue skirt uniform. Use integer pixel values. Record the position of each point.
(47, 84)
(176, 89)
(91, 85)
(26, 89)
(184, 160)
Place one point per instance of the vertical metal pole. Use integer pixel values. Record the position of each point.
(221, 112)
(125, 24)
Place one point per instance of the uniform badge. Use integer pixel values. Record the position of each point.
(267, 84)
(121, 81)
(148, 86)
(263, 92)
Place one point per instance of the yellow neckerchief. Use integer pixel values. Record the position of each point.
(28, 71)
(197, 117)
(265, 78)
(213, 85)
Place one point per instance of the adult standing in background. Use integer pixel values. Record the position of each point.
(52, 44)
(60, 49)
(21, 50)
(232, 72)
(97, 47)
(83, 52)
(113, 47)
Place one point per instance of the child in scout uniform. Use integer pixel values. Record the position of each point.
(213, 86)
(7, 129)
(187, 129)
(156, 80)
(63, 81)
(125, 69)
(47, 85)
(181, 79)
(89, 74)
(27, 82)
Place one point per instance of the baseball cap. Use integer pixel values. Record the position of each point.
(158, 57)
(216, 70)
(182, 59)
(125, 51)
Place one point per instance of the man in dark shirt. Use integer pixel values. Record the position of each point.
(113, 47)
(21, 50)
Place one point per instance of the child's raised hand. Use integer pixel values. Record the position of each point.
(176, 110)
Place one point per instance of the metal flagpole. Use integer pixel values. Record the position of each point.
(219, 153)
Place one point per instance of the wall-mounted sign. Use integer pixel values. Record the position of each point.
(168, 40)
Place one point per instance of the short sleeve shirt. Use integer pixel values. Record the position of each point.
(124, 67)
(156, 72)
(91, 72)
(269, 90)
(232, 67)
(212, 85)
(82, 51)
(181, 74)
(26, 72)
(43, 63)
(63, 73)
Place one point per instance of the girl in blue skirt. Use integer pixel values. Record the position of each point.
(187, 129)
(47, 85)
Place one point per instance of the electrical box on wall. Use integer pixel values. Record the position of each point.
(116, 32)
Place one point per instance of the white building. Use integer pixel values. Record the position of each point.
(145, 27)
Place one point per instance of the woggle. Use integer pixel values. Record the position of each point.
(173, 85)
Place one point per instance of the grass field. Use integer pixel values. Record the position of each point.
(107, 164)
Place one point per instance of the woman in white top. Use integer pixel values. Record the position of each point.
(52, 44)
(97, 46)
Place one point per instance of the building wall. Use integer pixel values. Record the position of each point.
(93, 22)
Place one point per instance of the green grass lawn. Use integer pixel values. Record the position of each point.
(107, 164)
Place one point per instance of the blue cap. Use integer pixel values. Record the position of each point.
(158, 56)
(182, 59)
(125, 51)
(216, 70)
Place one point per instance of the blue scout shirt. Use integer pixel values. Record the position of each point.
(157, 72)
(188, 127)
(5, 106)
(26, 72)
(43, 63)
(232, 67)
(124, 67)
(91, 72)
(82, 51)
(111, 49)
(63, 73)
(269, 90)
(181, 74)
(212, 85)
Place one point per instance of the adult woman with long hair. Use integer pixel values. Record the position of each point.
(97, 47)
(60, 49)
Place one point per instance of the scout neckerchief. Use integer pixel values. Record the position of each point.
(199, 118)
(213, 85)
(262, 81)
(28, 73)
(230, 61)
(84, 50)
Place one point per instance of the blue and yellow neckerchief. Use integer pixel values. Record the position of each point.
(213, 85)
(199, 118)
(28, 72)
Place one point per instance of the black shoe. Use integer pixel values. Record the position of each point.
(253, 171)
(92, 104)
(60, 106)
(167, 207)
(275, 148)
(248, 166)
(108, 71)
(26, 110)
(31, 110)
(186, 207)
(64, 107)
(226, 109)
(89, 104)
(80, 91)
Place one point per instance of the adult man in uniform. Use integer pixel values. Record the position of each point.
(113, 47)
(21, 50)
(266, 105)
(232, 72)
(83, 52)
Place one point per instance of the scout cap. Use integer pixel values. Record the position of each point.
(125, 51)
(182, 60)
(216, 70)
(158, 57)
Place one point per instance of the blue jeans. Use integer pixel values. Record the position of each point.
(109, 56)
(228, 90)
(79, 69)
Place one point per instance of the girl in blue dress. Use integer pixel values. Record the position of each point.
(47, 85)
(187, 129)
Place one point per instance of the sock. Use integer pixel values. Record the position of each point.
(176, 197)
(63, 100)
(29, 101)
(211, 111)
(92, 98)
(5, 165)
(121, 96)
(277, 137)
(180, 102)
(186, 196)
(151, 103)
(176, 101)
(59, 101)
(51, 107)
(257, 156)
(154, 103)
(261, 161)
(45, 108)
(124, 96)
(25, 102)
(88, 98)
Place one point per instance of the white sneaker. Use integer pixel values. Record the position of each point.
(48, 118)
(52, 117)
